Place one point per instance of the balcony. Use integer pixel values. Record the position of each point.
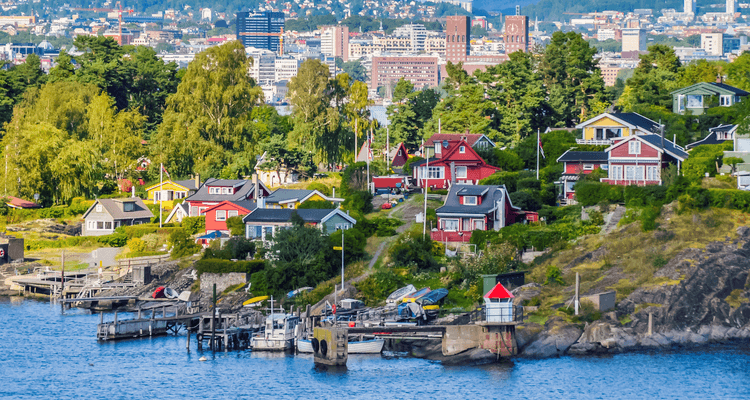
(595, 142)
(628, 182)
(450, 236)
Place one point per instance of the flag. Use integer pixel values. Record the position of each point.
(165, 171)
(369, 148)
(541, 149)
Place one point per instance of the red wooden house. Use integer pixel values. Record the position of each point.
(216, 216)
(638, 160)
(474, 207)
(398, 155)
(459, 163)
(576, 164)
(214, 191)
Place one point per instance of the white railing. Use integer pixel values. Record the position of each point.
(595, 142)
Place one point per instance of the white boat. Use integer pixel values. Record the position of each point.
(278, 334)
(374, 346)
(399, 294)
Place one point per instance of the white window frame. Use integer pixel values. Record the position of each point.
(232, 213)
(653, 173)
(438, 147)
(432, 173)
(462, 149)
(467, 201)
(634, 147)
(725, 100)
(680, 102)
(463, 175)
(588, 167)
(634, 172)
(615, 172)
(450, 224)
(478, 225)
(99, 207)
(221, 215)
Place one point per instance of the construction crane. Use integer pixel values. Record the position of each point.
(119, 12)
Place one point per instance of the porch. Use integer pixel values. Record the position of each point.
(450, 236)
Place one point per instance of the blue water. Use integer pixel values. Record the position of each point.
(46, 354)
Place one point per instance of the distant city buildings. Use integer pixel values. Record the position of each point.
(260, 30)
(457, 37)
(633, 39)
(334, 41)
(419, 70)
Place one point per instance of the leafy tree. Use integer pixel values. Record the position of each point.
(64, 70)
(700, 71)
(738, 72)
(354, 69)
(181, 244)
(193, 225)
(210, 114)
(411, 249)
(402, 90)
(656, 76)
(289, 160)
(236, 226)
(733, 161)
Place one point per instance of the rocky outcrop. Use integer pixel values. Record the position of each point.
(706, 300)
(554, 340)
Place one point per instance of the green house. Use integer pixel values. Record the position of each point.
(698, 98)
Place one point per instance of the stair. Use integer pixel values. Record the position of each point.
(613, 220)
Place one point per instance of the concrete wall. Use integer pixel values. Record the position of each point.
(603, 301)
(222, 281)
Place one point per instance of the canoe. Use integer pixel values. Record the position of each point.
(413, 296)
(374, 346)
(399, 294)
(158, 293)
(256, 299)
(298, 291)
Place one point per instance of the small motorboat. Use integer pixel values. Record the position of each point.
(432, 298)
(399, 294)
(278, 335)
(170, 293)
(410, 298)
(374, 346)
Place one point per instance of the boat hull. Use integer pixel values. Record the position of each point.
(363, 347)
(262, 344)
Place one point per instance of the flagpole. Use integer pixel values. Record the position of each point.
(356, 150)
(367, 157)
(424, 218)
(538, 142)
(161, 189)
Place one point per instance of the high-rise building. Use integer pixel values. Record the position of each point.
(457, 38)
(713, 43)
(416, 33)
(690, 6)
(633, 39)
(260, 30)
(731, 6)
(419, 70)
(516, 32)
(334, 41)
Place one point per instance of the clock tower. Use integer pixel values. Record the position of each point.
(516, 32)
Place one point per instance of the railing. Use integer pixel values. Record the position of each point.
(509, 314)
(595, 142)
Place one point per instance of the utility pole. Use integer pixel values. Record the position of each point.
(161, 189)
(537, 153)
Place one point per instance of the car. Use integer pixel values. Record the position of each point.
(386, 206)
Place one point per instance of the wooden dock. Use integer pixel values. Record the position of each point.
(146, 327)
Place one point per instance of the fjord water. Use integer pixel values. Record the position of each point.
(44, 354)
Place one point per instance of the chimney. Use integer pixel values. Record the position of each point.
(255, 187)
(197, 178)
(132, 191)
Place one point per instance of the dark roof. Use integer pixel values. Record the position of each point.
(473, 191)
(723, 128)
(711, 137)
(285, 214)
(287, 194)
(453, 206)
(638, 120)
(246, 204)
(420, 162)
(713, 88)
(583, 156)
(470, 138)
(736, 91)
(114, 207)
(188, 183)
(202, 193)
(656, 140)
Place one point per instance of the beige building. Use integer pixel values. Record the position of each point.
(633, 39)
(609, 74)
(334, 41)
(713, 43)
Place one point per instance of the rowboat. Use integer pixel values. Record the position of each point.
(374, 346)
(257, 299)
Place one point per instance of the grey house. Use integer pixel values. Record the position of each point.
(107, 214)
(263, 223)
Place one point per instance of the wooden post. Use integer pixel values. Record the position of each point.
(578, 284)
(213, 320)
(187, 343)
(650, 323)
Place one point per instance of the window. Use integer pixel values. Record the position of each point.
(438, 147)
(98, 208)
(461, 172)
(681, 102)
(604, 167)
(588, 167)
(432, 173)
(232, 213)
(633, 173)
(470, 200)
(634, 147)
(450, 224)
(608, 133)
(221, 215)
(694, 101)
(462, 149)
(725, 101)
(652, 173)
(201, 210)
(615, 172)
(108, 225)
(100, 225)
(478, 224)
(342, 226)
(129, 206)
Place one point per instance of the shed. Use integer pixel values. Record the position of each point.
(499, 304)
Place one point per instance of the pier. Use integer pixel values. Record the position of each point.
(141, 326)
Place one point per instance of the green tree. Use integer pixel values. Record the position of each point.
(738, 72)
(209, 117)
(656, 76)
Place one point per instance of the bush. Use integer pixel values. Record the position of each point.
(553, 275)
(317, 205)
(218, 266)
(526, 200)
(376, 287)
(236, 226)
(360, 201)
(319, 187)
(529, 183)
(407, 166)
(386, 226)
(136, 245)
(181, 243)
(193, 225)
(412, 250)
(132, 231)
(236, 248)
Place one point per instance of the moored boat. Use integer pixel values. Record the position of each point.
(278, 334)
(374, 346)
(399, 294)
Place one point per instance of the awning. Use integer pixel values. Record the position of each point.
(212, 235)
(570, 177)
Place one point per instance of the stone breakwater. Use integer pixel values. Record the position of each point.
(710, 303)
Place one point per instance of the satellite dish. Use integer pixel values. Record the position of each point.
(445, 144)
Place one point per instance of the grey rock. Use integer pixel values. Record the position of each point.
(553, 341)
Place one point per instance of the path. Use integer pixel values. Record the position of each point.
(409, 210)
(613, 220)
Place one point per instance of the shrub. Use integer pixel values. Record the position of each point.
(132, 231)
(218, 266)
(236, 226)
(317, 205)
(553, 275)
(193, 225)
(529, 183)
(236, 248)
(386, 226)
(412, 249)
(136, 245)
(181, 243)
(360, 201)
(376, 287)
(526, 200)
(319, 187)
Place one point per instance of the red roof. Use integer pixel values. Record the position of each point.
(15, 202)
(470, 138)
(499, 292)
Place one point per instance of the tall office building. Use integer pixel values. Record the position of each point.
(689, 6)
(260, 30)
(713, 43)
(516, 32)
(457, 38)
(731, 6)
(334, 41)
(633, 39)
(415, 32)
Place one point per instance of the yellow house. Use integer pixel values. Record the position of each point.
(603, 128)
(169, 190)
(292, 198)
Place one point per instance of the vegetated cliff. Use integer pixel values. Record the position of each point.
(702, 296)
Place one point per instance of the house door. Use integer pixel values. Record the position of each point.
(466, 224)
